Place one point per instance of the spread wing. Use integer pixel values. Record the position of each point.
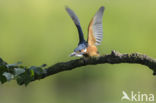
(77, 23)
(95, 29)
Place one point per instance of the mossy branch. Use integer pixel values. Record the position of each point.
(35, 73)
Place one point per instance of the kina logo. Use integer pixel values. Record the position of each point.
(138, 96)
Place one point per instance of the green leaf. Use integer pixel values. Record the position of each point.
(8, 76)
(37, 70)
(18, 71)
(2, 70)
(43, 65)
(24, 78)
(13, 65)
(32, 73)
(2, 62)
(2, 79)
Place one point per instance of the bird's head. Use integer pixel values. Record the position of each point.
(80, 50)
(79, 53)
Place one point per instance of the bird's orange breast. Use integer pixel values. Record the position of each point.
(92, 51)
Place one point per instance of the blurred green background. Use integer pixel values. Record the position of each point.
(40, 31)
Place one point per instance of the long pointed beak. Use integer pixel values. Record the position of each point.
(72, 54)
(76, 54)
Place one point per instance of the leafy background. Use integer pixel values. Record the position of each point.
(40, 31)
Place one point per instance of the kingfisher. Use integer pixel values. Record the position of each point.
(95, 34)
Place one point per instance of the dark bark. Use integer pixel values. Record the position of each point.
(113, 58)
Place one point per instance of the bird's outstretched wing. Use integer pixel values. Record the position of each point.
(77, 23)
(95, 28)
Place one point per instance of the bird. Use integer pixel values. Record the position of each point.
(95, 34)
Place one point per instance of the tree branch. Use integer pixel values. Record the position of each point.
(113, 58)
(24, 75)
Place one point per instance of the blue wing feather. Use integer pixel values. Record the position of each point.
(77, 23)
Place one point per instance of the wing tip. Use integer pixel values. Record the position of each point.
(102, 8)
(67, 8)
